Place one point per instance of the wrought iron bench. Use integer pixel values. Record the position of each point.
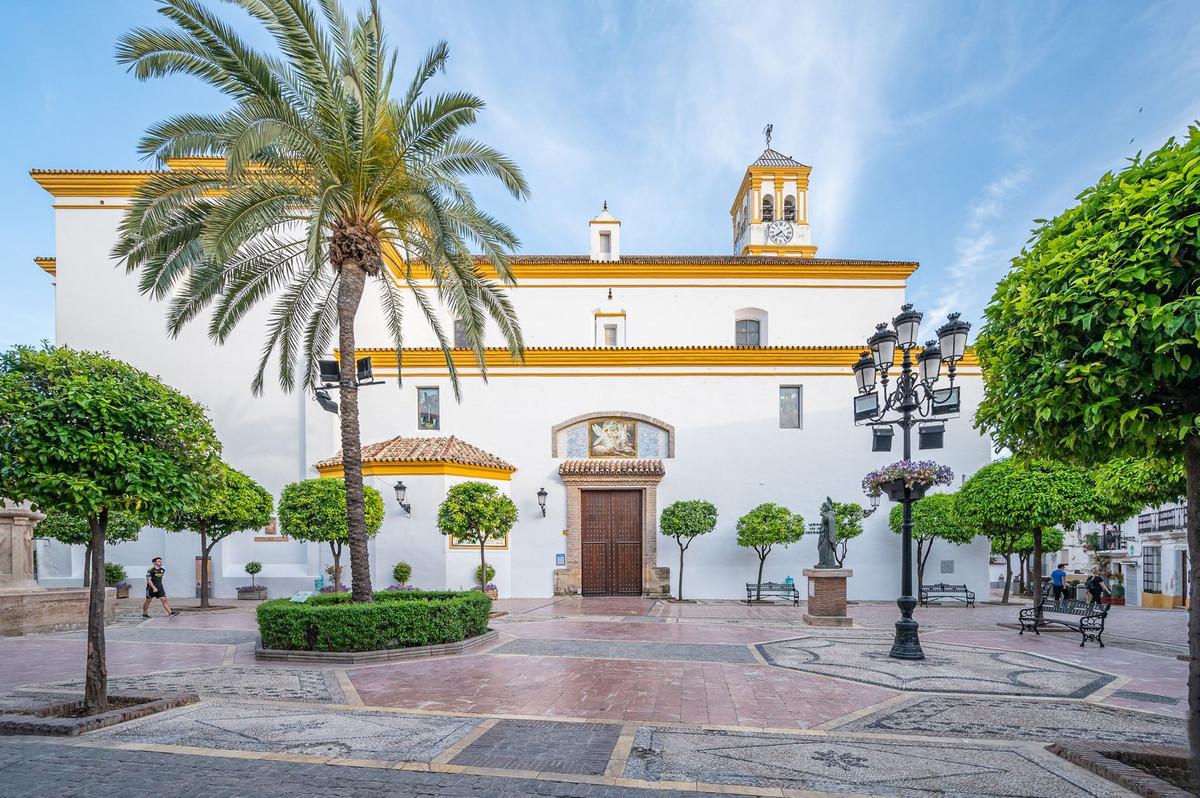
(941, 590)
(782, 589)
(1082, 616)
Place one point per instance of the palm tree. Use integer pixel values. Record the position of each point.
(327, 181)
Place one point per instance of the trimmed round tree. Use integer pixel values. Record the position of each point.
(315, 510)
(231, 503)
(848, 524)
(1011, 497)
(685, 521)
(475, 512)
(74, 530)
(766, 526)
(1089, 346)
(933, 518)
(1126, 486)
(87, 435)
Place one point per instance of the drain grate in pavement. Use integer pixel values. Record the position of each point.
(582, 748)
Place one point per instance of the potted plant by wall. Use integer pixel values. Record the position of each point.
(253, 591)
(917, 475)
(489, 585)
(1118, 589)
(114, 576)
(402, 572)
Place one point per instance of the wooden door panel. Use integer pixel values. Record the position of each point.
(611, 542)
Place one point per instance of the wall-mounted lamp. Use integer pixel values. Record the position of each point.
(542, 494)
(874, 505)
(400, 493)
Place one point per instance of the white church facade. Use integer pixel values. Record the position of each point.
(647, 379)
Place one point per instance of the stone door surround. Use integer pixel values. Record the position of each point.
(595, 474)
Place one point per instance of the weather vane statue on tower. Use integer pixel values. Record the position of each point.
(767, 133)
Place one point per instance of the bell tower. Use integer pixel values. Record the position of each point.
(770, 211)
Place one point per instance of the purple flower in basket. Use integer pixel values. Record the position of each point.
(912, 473)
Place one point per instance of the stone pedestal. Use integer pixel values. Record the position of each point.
(26, 606)
(827, 596)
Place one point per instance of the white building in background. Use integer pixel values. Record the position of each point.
(647, 379)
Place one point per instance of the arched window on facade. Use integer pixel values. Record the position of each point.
(768, 208)
(748, 332)
(789, 208)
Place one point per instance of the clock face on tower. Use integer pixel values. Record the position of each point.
(779, 232)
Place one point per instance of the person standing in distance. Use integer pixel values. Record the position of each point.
(155, 590)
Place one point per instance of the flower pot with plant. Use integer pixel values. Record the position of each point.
(114, 576)
(252, 591)
(917, 476)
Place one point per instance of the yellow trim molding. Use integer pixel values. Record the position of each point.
(783, 250)
(632, 357)
(396, 468)
(48, 265)
(613, 315)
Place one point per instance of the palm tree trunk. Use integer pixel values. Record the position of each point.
(350, 291)
(203, 569)
(1191, 459)
(95, 690)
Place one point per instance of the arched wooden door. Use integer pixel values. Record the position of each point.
(611, 542)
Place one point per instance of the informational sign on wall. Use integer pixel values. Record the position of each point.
(560, 559)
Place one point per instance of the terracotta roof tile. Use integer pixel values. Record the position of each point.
(611, 467)
(424, 449)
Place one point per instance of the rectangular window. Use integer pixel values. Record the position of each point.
(747, 332)
(605, 243)
(428, 409)
(610, 335)
(1152, 569)
(460, 334)
(790, 415)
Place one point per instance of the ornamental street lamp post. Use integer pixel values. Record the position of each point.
(913, 398)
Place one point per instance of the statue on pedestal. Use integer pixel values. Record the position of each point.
(827, 543)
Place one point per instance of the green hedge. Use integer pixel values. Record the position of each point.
(396, 619)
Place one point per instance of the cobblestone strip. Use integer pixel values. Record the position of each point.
(620, 754)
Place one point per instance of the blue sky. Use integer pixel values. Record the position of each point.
(936, 131)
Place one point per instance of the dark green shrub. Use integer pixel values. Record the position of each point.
(396, 619)
(402, 573)
(114, 573)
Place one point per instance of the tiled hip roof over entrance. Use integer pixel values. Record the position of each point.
(414, 455)
(615, 467)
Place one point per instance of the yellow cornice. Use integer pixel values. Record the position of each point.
(398, 468)
(794, 250)
(621, 314)
(110, 182)
(617, 222)
(48, 265)
(632, 357)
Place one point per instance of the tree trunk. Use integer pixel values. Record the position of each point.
(87, 565)
(1035, 568)
(922, 556)
(762, 559)
(203, 569)
(1192, 465)
(1007, 577)
(1023, 567)
(336, 551)
(350, 291)
(482, 566)
(95, 691)
(680, 596)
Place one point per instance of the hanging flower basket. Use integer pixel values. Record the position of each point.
(917, 476)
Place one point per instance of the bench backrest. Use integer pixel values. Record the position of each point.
(771, 586)
(1073, 607)
(945, 588)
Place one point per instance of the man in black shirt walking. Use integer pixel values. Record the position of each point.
(155, 590)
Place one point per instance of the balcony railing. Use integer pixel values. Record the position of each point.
(1171, 519)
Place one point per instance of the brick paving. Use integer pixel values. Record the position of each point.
(624, 649)
(540, 745)
(38, 769)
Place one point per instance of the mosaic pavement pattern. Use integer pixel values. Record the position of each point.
(278, 684)
(842, 764)
(945, 669)
(629, 649)
(1007, 718)
(317, 732)
(582, 748)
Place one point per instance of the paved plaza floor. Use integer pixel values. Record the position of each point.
(613, 697)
